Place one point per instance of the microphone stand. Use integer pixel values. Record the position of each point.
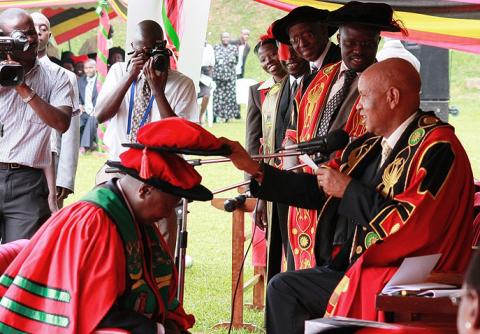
(181, 247)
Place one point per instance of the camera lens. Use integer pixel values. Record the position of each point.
(160, 62)
(11, 74)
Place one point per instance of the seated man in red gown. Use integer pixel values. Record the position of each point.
(101, 262)
(403, 189)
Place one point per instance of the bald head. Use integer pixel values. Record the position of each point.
(150, 29)
(11, 16)
(40, 19)
(18, 19)
(225, 38)
(389, 94)
(147, 34)
(396, 72)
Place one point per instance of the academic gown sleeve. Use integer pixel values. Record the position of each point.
(296, 189)
(70, 274)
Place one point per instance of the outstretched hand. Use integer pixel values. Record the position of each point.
(240, 158)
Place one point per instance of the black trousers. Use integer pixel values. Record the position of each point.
(23, 203)
(296, 296)
(278, 242)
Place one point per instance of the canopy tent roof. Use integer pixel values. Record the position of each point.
(71, 22)
(69, 18)
(451, 24)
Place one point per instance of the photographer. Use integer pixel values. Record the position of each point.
(172, 92)
(28, 112)
(135, 93)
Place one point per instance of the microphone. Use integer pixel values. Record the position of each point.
(332, 141)
(232, 204)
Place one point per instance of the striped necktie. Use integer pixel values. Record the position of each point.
(293, 89)
(333, 105)
(139, 108)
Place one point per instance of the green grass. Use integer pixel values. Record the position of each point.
(208, 282)
(462, 67)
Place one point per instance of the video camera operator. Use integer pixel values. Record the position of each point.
(28, 112)
(135, 93)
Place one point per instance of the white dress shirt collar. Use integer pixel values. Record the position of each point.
(319, 62)
(292, 79)
(395, 136)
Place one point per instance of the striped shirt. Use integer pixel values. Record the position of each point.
(25, 138)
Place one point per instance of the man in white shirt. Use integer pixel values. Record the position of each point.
(135, 94)
(28, 112)
(87, 86)
(172, 93)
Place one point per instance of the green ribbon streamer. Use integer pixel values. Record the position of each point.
(170, 30)
(101, 4)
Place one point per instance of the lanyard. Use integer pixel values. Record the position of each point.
(130, 109)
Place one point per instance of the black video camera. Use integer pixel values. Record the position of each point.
(11, 72)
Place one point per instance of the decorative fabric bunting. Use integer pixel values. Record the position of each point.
(102, 46)
(451, 24)
(68, 23)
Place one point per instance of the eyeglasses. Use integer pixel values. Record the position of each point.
(456, 298)
(141, 48)
(308, 35)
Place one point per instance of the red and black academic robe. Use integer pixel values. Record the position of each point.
(79, 264)
(428, 186)
(419, 202)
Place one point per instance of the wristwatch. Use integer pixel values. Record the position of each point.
(29, 97)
